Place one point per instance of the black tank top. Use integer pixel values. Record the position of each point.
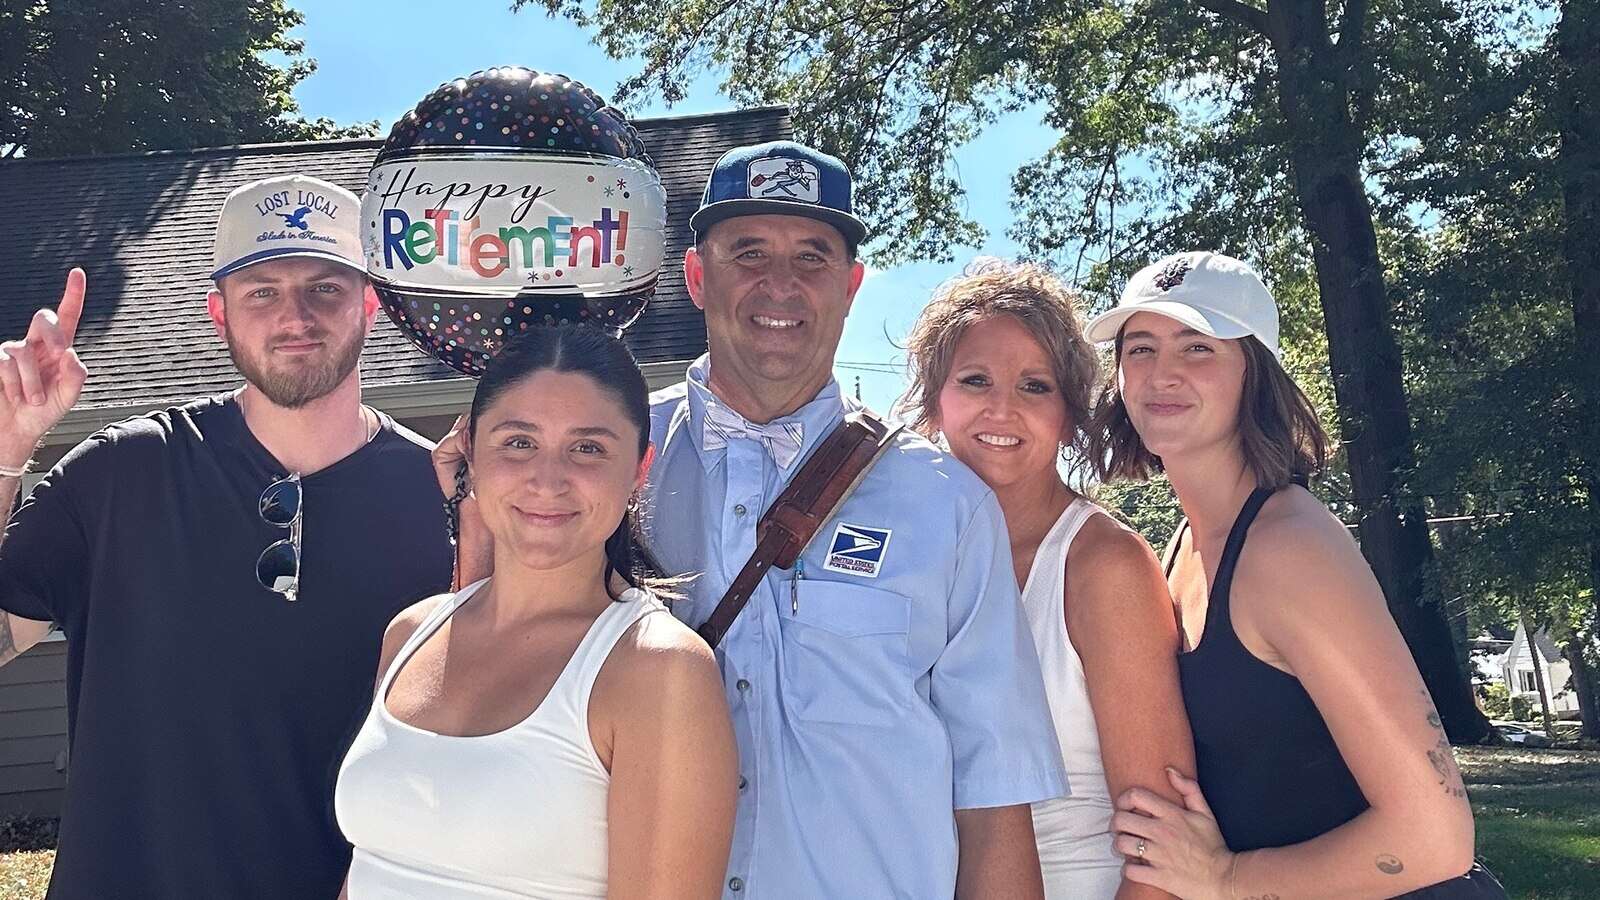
(1266, 761)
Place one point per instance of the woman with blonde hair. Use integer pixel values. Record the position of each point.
(1001, 370)
(1323, 770)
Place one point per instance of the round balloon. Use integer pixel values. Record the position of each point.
(510, 199)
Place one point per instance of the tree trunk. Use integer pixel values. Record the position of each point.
(1452, 540)
(1578, 113)
(1540, 683)
(1583, 684)
(1315, 79)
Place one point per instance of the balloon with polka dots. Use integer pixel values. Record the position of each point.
(507, 200)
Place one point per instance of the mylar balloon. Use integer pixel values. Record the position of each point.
(506, 200)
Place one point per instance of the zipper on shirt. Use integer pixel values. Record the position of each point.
(794, 586)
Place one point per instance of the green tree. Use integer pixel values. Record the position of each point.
(18, 41)
(1497, 306)
(108, 76)
(1261, 129)
(1491, 343)
(1577, 111)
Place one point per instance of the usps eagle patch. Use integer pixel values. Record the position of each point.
(857, 550)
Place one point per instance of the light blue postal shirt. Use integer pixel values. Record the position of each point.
(884, 682)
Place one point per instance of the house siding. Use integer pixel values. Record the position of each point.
(1517, 671)
(33, 731)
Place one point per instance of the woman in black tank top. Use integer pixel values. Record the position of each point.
(1322, 767)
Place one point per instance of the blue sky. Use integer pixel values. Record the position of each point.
(376, 60)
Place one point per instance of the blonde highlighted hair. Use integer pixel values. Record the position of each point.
(1030, 294)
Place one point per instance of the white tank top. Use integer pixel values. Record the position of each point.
(1073, 833)
(517, 813)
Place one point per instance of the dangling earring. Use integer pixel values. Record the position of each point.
(452, 506)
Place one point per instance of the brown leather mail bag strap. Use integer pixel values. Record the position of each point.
(825, 479)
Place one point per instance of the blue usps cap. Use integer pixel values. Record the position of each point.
(782, 178)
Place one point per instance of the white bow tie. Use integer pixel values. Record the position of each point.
(782, 440)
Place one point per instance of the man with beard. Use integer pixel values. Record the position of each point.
(222, 570)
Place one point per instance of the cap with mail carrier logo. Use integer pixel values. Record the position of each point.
(782, 178)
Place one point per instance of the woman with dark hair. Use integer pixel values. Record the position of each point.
(1323, 770)
(1001, 370)
(551, 731)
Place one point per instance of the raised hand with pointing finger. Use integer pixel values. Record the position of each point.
(194, 521)
(40, 377)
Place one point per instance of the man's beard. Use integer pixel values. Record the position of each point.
(294, 384)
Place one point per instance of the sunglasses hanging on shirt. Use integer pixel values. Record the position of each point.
(278, 569)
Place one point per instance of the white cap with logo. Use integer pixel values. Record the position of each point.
(1214, 294)
(291, 215)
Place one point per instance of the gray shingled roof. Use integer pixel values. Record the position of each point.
(141, 227)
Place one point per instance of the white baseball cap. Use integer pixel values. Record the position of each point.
(291, 215)
(1214, 294)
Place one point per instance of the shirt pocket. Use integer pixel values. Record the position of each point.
(845, 653)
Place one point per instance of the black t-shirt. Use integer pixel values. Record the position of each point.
(207, 714)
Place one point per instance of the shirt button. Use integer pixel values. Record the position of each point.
(739, 509)
(742, 684)
(735, 883)
(743, 782)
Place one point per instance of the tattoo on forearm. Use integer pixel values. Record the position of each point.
(8, 643)
(1441, 756)
(1390, 865)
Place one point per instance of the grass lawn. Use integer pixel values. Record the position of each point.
(1538, 826)
(1538, 814)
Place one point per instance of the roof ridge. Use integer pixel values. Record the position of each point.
(750, 111)
(289, 147)
(285, 147)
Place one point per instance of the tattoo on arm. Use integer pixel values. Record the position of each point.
(8, 643)
(1262, 897)
(1389, 864)
(1441, 756)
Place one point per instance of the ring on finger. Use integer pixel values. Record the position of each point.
(1139, 848)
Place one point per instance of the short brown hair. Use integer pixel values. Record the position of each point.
(1028, 293)
(1282, 437)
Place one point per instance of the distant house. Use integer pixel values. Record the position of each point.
(1517, 672)
(1484, 655)
(141, 227)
